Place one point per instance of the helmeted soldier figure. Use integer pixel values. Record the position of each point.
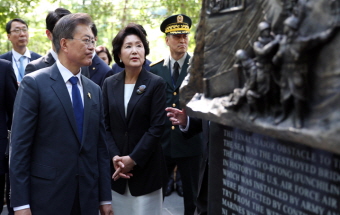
(265, 48)
(293, 59)
(249, 89)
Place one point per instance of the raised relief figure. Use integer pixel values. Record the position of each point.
(293, 60)
(248, 93)
(265, 48)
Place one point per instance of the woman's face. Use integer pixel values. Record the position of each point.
(104, 57)
(132, 52)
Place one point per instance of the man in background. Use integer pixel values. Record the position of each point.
(20, 56)
(178, 150)
(98, 69)
(8, 90)
(191, 126)
(50, 58)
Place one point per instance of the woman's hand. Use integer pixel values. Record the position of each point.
(123, 166)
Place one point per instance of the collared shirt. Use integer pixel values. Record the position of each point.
(180, 62)
(16, 63)
(183, 128)
(67, 74)
(54, 54)
(93, 54)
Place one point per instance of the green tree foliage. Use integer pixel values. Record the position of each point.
(10, 9)
(109, 16)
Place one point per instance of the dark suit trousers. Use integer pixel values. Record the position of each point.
(8, 196)
(2, 189)
(76, 203)
(188, 167)
(4, 180)
(202, 197)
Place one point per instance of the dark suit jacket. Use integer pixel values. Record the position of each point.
(138, 134)
(98, 70)
(48, 162)
(173, 142)
(196, 126)
(8, 90)
(47, 61)
(8, 56)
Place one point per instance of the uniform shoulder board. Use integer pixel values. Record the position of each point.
(152, 64)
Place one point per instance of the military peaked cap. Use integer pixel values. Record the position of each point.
(176, 24)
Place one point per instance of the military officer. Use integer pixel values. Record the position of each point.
(183, 152)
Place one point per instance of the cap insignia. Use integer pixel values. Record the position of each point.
(179, 18)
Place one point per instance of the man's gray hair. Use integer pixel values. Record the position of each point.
(66, 26)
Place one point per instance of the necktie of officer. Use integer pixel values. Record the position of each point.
(21, 68)
(78, 108)
(175, 74)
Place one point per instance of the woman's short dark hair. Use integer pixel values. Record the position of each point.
(100, 49)
(117, 42)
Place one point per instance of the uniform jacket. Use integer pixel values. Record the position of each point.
(8, 90)
(138, 134)
(47, 61)
(98, 70)
(173, 142)
(48, 161)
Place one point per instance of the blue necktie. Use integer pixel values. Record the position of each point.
(78, 108)
(21, 69)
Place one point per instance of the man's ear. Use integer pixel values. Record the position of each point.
(49, 34)
(166, 40)
(64, 45)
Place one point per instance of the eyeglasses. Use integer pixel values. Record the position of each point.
(87, 41)
(18, 30)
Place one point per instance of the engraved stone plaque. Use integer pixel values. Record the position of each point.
(252, 173)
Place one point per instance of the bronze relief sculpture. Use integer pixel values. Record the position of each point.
(279, 69)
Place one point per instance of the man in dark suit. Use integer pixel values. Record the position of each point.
(98, 68)
(8, 90)
(49, 59)
(191, 126)
(20, 56)
(183, 152)
(59, 159)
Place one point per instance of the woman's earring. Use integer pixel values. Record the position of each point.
(120, 60)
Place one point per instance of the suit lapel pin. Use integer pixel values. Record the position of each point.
(89, 95)
(141, 89)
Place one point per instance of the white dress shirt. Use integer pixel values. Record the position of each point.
(180, 62)
(16, 63)
(67, 74)
(54, 55)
